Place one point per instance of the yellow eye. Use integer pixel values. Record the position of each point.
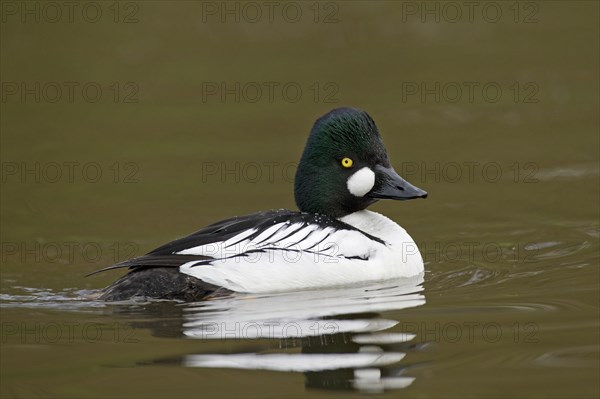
(347, 163)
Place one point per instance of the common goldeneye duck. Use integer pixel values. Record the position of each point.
(332, 241)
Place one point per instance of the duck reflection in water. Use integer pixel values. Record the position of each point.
(344, 338)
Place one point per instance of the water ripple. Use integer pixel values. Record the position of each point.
(32, 297)
(575, 356)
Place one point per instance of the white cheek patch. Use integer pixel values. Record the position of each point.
(361, 182)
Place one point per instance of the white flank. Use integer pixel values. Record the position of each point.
(311, 257)
(361, 182)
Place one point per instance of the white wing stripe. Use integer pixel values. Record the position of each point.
(239, 238)
(282, 233)
(279, 237)
(268, 233)
(315, 238)
(299, 236)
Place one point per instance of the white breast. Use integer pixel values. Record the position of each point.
(343, 257)
(402, 254)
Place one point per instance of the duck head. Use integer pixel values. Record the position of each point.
(345, 168)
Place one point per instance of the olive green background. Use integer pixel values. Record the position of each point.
(165, 148)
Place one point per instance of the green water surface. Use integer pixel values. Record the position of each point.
(171, 124)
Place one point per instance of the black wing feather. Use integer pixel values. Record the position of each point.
(165, 255)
